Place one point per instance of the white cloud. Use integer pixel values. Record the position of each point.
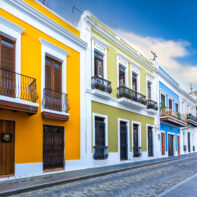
(167, 51)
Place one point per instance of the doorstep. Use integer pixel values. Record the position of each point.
(16, 186)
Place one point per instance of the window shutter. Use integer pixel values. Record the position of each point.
(100, 68)
(57, 79)
(7, 55)
(48, 77)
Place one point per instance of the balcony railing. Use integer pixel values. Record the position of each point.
(101, 84)
(56, 101)
(173, 114)
(152, 104)
(100, 152)
(131, 94)
(191, 117)
(136, 151)
(17, 86)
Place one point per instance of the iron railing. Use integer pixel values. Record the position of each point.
(56, 101)
(131, 94)
(101, 84)
(173, 114)
(100, 152)
(191, 117)
(136, 151)
(16, 85)
(151, 104)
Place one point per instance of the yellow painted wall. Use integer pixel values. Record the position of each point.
(29, 129)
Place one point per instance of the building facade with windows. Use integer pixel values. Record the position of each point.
(120, 101)
(177, 117)
(40, 58)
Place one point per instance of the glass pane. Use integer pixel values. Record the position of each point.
(56, 65)
(7, 43)
(48, 61)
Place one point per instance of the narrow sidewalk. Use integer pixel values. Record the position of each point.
(16, 186)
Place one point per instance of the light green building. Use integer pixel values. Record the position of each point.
(119, 108)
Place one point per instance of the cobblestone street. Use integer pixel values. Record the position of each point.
(144, 181)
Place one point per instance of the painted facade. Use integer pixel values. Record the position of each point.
(34, 102)
(117, 106)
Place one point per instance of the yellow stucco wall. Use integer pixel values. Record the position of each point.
(29, 129)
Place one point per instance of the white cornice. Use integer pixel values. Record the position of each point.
(54, 47)
(11, 25)
(116, 42)
(104, 45)
(33, 13)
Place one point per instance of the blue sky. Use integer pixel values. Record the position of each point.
(170, 23)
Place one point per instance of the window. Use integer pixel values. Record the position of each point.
(121, 75)
(149, 84)
(177, 107)
(98, 64)
(170, 103)
(134, 81)
(7, 56)
(163, 100)
(53, 75)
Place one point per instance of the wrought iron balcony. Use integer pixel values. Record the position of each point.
(136, 151)
(20, 89)
(131, 94)
(192, 120)
(152, 104)
(101, 84)
(100, 152)
(173, 117)
(56, 101)
(17, 86)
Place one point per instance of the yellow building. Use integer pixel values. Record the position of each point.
(40, 59)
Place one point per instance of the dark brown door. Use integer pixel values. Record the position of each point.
(170, 145)
(53, 147)
(7, 147)
(150, 142)
(53, 84)
(189, 148)
(135, 136)
(7, 67)
(178, 144)
(123, 141)
(163, 143)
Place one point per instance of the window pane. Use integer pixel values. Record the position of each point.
(7, 43)
(57, 65)
(48, 61)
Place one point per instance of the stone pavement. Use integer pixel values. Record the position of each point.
(137, 180)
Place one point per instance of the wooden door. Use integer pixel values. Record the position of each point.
(53, 84)
(189, 148)
(170, 145)
(7, 147)
(53, 147)
(135, 136)
(178, 144)
(7, 67)
(123, 141)
(163, 143)
(150, 142)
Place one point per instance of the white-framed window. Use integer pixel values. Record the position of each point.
(122, 70)
(176, 107)
(135, 76)
(54, 61)
(100, 130)
(99, 58)
(123, 138)
(150, 86)
(149, 90)
(136, 135)
(170, 103)
(163, 99)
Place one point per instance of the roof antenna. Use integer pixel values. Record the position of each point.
(77, 9)
(154, 56)
(191, 87)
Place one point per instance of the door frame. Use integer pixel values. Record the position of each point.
(139, 134)
(11, 175)
(153, 138)
(174, 144)
(50, 170)
(128, 136)
(178, 148)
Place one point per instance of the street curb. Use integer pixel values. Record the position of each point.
(64, 181)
